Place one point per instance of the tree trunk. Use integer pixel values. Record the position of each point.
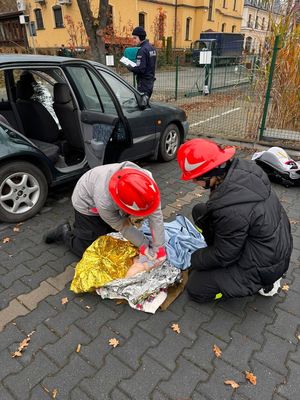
(94, 27)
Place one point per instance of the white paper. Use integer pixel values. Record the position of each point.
(126, 61)
(205, 57)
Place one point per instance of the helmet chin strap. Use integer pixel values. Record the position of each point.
(207, 184)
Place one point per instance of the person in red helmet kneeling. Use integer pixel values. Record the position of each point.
(107, 199)
(248, 234)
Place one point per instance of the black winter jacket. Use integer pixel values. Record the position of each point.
(145, 62)
(251, 231)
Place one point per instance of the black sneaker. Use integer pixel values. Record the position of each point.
(58, 233)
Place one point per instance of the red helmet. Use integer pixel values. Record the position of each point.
(198, 156)
(134, 192)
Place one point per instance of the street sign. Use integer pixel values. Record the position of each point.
(205, 57)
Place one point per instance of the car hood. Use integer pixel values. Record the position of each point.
(162, 108)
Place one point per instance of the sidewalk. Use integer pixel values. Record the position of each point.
(256, 334)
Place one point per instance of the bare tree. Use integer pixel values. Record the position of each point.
(95, 26)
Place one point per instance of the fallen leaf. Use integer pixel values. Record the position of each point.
(6, 240)
(198, 195)
(23, 345)
(16, 354)
(78, 348)
(120, 301)
(293, 222)
(64, 300)
(217, 351)
(233, 384)
(54, 393)
(285, 287)
(175, 328)
(250, 377)
(16, 229)
(114, 342)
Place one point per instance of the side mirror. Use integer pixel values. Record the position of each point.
(143, 101)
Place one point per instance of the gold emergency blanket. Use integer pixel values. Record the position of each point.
(106, 259)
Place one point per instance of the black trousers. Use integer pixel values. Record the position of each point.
(86, 230)
(202, 285)
(145, 86)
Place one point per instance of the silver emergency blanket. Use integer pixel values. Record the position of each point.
(142, 289)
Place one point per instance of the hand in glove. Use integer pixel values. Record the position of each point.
(146, 251)
(160, 256)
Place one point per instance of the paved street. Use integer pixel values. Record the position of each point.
(256, 334)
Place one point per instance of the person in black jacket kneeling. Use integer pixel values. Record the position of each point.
(248, 234)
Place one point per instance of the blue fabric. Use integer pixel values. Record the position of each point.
(182, 239)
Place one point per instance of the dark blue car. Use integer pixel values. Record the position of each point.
(60, 116)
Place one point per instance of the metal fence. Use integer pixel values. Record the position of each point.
(239, 104)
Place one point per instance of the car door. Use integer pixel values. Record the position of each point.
(100, 119)
(142, 121)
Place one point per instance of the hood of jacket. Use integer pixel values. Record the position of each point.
(245, 182)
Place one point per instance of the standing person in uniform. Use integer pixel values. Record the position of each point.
(145, 62)
(107, 199)
(248, 234)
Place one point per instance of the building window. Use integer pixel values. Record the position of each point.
(224, 3)
(142, 20)
(248, 44)
(187, 28)
(234, 5)
(256, 22)
(233, 29)
(210, 10)
(263, 24)
(223, 27)
(249, 24)
(39, 18)
(58, 17)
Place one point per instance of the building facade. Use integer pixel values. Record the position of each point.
(183, 20)
(257, 23)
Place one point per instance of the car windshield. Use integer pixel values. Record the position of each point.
(124, 94)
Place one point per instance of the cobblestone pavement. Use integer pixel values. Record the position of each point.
(256, 334)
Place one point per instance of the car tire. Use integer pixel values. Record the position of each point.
(23, 191)
(169, 143)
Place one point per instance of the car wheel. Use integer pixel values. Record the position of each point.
(23, 191)
(169, 143)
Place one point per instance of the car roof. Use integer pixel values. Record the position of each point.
(15, 58)
(27, 59)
